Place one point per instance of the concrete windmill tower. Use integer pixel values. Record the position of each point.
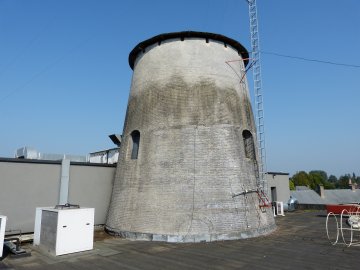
(188, 145)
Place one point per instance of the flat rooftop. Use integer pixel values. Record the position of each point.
(300, 242)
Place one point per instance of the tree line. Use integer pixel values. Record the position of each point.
(315, 178)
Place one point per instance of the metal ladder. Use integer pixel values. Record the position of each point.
(259, 109)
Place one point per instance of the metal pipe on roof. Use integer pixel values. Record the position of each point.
(64, 181)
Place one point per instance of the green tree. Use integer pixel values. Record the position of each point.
(301, 179)
(316, 179)
(322, 174)
(329, 185)
(332, 179)
(291, 185)
(355, 179)
(319, 177)
(343, 182)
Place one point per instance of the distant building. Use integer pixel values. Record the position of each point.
(278, 183)
(31, 153)
(109, 156)
(326, 196)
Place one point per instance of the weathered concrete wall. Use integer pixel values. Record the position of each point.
(191, 110)
(26, 184)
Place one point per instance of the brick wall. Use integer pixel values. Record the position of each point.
(190, 109)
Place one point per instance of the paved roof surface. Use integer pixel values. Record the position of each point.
(300, 242)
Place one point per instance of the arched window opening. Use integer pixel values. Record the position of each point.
(249, 145)
(135, 136)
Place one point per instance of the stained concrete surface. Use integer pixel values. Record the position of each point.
(196, 148)
(300, 242)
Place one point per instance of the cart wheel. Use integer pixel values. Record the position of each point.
(347, 231)
(332, 228)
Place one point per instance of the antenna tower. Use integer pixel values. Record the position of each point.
(259, 109)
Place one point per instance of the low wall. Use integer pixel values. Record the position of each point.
(311, 206)
(27, 184)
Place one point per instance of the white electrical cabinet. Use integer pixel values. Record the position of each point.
(2, 233)
(64, 231)
(278, 209)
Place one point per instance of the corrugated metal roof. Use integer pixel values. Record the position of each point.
(342, 195)
(332, 196)
(302, 188)
(307, 197)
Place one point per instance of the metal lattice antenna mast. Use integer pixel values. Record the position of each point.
(259, 109)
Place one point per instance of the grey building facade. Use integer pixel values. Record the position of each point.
(279, 189)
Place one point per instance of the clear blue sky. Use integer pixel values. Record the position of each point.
(64, 73)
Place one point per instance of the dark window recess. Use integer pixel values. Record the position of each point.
(249, 145)
(135, 136)
(273, 194)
